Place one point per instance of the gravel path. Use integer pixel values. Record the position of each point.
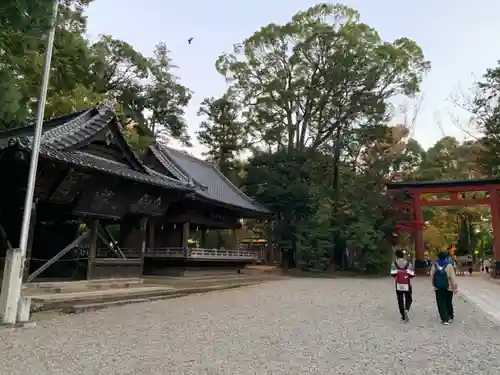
(300, 326)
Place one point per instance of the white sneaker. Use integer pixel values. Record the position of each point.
(446, 323)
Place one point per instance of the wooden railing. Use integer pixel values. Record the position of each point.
(165, 252)
(127, 253)
(222, 254)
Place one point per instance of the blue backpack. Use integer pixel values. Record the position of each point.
(441, 281)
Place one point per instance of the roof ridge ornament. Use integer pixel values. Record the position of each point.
(161, 142)
(109, 138)
(108, 104)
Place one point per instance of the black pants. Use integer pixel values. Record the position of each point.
(444, 300)
(404, 301)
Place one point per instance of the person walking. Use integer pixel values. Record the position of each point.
(402, 271)
(428, 265)
(444, 282)
(486, 265)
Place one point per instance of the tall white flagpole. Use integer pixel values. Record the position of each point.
(15, 259)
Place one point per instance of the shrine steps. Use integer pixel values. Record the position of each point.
(208, 280)
(160, 267)
(82, 285)
(199, 272)
(79, 296)
(84, 301)
(58, 301)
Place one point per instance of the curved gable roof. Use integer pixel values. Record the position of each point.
(209, 180)
(61, 137)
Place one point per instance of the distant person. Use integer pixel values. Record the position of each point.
(450, 260)
(402, 271)
(486, 266)
(428, 265)
(445, 285)
(449, 256)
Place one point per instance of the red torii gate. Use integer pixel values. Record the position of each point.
(455, 192)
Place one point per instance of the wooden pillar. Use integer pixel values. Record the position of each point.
(269, 253)
(218, 243)
(126, 228)
(234, 239)
(31, 237)
(144, 225)
(93, 247)
(420, 266)
(185, 238)
(203, 238)
(152, 234)
(495, 223)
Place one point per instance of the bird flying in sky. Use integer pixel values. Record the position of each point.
(190, 40)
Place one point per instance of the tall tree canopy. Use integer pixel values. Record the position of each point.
(222, 132)
(485, 109)
(315, 95)
(21, 54)
(321, 71)
(146, 90)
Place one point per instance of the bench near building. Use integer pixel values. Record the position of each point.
(100, 211)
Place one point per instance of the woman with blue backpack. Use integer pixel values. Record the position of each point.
(444, 281)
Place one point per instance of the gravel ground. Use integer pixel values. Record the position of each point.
(299, 326)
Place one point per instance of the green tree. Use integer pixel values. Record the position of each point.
(166, 97)
(147, 93)
(22, 42)
(24, 20)
(283, 182)
(467, 239)
(316, 96)
(222, 132)
(322, 70)
(448, 159)
(485, 109)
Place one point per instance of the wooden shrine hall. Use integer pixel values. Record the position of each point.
(409, 197)
(100, 211)
(215, 205)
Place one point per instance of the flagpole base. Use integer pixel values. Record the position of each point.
(11, 286)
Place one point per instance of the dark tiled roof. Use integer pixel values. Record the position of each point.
(84, 160)
(211, 183)
(66, 131)
(60, 136)
(165, 161)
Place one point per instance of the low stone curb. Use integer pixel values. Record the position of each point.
(77, 309)
(195, 283)
(96, 303)
(30, 324)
